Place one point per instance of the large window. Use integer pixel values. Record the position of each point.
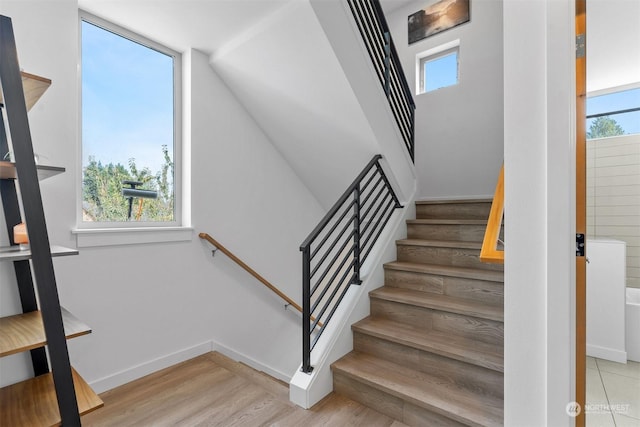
(615, 112)
(130, 128)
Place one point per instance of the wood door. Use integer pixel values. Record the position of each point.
(581, 211)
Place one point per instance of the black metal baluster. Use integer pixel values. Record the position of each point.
(387, 63)
(356, 235)
(374, 29)
(306, 310)
(388, 184)
(373, 201)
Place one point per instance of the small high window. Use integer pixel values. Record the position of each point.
(438, 68)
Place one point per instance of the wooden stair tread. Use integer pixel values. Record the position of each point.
(439, 302)
(421, 389)
(447, 270)
(479, 354)
(33, 402)
(23, 332)
(440, 243)
(452, 201)
(433, 221)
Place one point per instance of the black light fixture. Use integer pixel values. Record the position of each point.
(132, 192)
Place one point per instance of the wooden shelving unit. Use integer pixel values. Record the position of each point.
(15, 253)
(8, 170)
(56, 395)
(23, 332)
(34, 87)
(34, 403)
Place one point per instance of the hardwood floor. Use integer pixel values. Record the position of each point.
(212, 390)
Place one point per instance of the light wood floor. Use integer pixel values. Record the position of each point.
(212, 390)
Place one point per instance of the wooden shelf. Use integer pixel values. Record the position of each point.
(33, 402)
(23, 332)
(8, 170)
(34, 87)
(39, 401)
(14, 253)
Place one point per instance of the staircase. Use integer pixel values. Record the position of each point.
(431, 352)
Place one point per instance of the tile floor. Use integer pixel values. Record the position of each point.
(613, 393)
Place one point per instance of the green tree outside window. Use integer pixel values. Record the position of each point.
(603, 127)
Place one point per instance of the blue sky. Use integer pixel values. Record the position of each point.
(630, 122)
(441, 72)
(127, 100)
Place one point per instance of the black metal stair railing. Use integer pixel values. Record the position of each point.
(377, 38)
(336, 249)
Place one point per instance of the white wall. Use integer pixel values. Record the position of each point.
(459, 129)
(342, 32)
(248, 197)
(539, 101)
(613, 38)
(152, 305)
(613, 196)
(286, 75)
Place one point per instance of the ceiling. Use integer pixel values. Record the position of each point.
(390, 6)
(211, 23)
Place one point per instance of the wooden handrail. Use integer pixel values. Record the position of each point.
(489, 252)
(251, 271)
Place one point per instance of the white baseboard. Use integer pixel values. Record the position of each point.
(443, 198)
(119, 378)
(607, 353)
(112, 381)
(239, 357)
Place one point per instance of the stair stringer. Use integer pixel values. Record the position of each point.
(305, 390)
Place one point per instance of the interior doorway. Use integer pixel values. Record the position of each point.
(581, 208)
(606, 160)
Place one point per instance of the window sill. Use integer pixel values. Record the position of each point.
(93, 237)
